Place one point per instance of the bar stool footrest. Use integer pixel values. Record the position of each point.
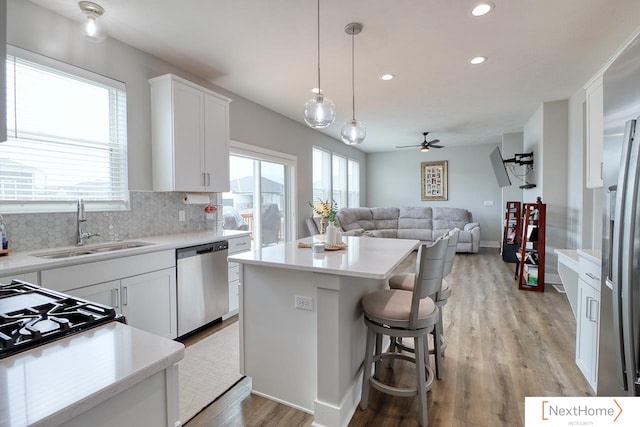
(429, 376)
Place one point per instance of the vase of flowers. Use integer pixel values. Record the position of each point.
(327, 211)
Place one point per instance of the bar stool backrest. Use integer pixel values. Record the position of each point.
(428, 277)
(451, 251)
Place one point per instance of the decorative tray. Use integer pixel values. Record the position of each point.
(326, 247)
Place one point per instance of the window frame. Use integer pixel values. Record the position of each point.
(331, 190)
(69, 205)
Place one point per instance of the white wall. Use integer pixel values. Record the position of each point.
(39, 30)
(512, 145)
(546, 134)
(532, 142)
(394, 179)
(577, 196)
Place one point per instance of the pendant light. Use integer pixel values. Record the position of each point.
(319, 111)
(92, 28)
(353, 132)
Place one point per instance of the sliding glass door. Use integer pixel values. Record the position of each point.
(261, 195)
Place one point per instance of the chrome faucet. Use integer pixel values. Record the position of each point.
(81, 218)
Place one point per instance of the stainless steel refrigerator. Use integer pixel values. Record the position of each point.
(619, 346)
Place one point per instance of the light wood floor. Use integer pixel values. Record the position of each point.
(504, 344)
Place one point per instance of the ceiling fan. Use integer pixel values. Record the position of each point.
(426, 145)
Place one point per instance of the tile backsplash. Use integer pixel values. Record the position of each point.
(151, 214)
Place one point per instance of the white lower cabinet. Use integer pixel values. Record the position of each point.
(141, 287)
(148, 301)
(27, 277)
(236, 245)
(103, 293)
(234, 276)
(587, 321)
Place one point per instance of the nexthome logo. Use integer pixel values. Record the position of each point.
(582, 411)
(586, 410)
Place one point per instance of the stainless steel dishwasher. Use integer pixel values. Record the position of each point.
(203, 285)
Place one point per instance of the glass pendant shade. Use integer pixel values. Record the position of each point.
(353, 132)
(319, 112)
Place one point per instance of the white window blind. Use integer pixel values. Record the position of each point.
(321, 175)
(353, 182)
(336, 177)
(339, 182)
(67, 138)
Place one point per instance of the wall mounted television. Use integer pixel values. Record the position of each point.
(499, 168)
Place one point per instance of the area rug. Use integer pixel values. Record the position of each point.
(209, 368)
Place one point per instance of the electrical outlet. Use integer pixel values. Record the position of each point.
(182, 216)
(304, 303)
(488, 202)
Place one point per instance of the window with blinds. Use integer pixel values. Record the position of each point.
(67, 137)
(336, 177)
(353, 183)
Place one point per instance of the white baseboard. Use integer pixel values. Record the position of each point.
(489, 244)
(552, 279)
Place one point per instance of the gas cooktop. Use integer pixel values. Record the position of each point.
(31, 315)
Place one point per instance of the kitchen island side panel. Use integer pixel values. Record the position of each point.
(278, 340)
(310, 360)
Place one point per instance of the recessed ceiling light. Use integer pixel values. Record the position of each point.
(482, 9)
(478, 60)
(387, 77)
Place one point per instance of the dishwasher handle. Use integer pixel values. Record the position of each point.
(202, 249)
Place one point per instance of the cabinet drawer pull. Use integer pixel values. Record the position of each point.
(592, 311)
(591, 276)
(587, 308)
(115, 298)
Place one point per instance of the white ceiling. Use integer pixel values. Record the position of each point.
(265, 50)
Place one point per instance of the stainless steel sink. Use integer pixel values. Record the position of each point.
(89, 250)
(62, 254)
(118, 246)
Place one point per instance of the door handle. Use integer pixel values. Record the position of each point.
(587, 311)
(124, 295)
(208, 179)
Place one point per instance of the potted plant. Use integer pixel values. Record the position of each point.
(327, 212)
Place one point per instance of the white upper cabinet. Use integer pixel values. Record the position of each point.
(190, 135)
(595, 113)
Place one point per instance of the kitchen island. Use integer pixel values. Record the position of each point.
(112, 375)
(302, 335)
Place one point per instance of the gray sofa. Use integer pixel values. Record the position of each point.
(421, 223)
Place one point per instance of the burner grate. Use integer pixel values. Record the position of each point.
(24, 326)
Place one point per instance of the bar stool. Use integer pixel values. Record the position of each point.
(405, 281)
(399, 313)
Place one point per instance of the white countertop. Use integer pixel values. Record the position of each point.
(366, 257)
(595, 256)
(55, 382)
(24, 262)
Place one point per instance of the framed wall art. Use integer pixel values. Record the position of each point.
(434, 180)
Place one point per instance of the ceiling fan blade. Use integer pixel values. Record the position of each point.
(407, 146)
(434, 141)
(436, 146)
